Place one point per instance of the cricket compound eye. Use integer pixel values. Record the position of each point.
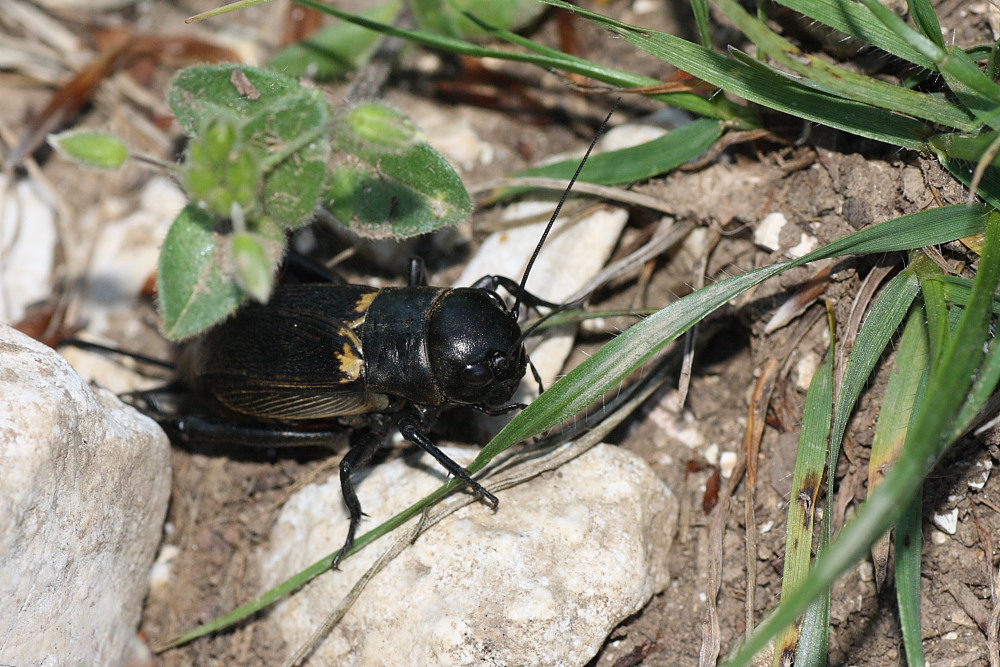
(477, 375)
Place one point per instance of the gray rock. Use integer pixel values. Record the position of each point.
(542, 581)
(84, 485)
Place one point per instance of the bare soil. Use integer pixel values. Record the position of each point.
(825, 183)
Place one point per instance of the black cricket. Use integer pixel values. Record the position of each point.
(319, 356)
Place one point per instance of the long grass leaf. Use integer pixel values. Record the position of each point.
(701, 18)
(926, 19)
(881, 323)
(548, 58)
(905, 389)
(963, 69)
(856, 20)
(957, 290)
(851, 85)
(971, 148)
(909, 549)
(906, 382)
(807, 478)
(935, 307)
(642, 162)
(616, 360)
(982, 390)
(964, 172)
(763, 85)
(720, 106)
(982, 106)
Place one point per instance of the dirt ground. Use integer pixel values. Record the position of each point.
(825, 183)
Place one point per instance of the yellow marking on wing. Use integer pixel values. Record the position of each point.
(361, 308)
(350, 361)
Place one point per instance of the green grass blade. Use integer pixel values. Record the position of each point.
(905, 389)
(906, 384)
(909, 549)
(935, 308)
(957, 290)
(542, 57)
(717, 106)
(986, 383)
(764, 85)
(804, 99)
(841, 82)
(982, 106)
(910, 231)
(926, 19)
(962, 69)
(971, 148)
(815, 635)
(642, 162)
(884, 317)
(963, 171)
(807, 480)
(947, 388)
(335, 50)
(856, 20)
(880, 325)
(702, 18)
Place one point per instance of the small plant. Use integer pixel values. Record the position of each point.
(264, 153)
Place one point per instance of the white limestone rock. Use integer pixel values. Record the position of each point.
(542, 581)
(84, 485)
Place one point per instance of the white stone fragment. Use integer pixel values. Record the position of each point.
(947, 522)
(978, 483)
(805, 369)
(806, 245)
(450, 132)
(629, 136)
(162, 573)
(83, 492)
(541, 581)
(768, 231)
(727, 463)
(645, 6)
(27, 245)
(460, 143)
(683, 428)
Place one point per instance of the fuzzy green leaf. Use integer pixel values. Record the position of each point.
(195, 290)
(93, 149)
(398, 194)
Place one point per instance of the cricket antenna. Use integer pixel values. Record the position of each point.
(555, 213)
